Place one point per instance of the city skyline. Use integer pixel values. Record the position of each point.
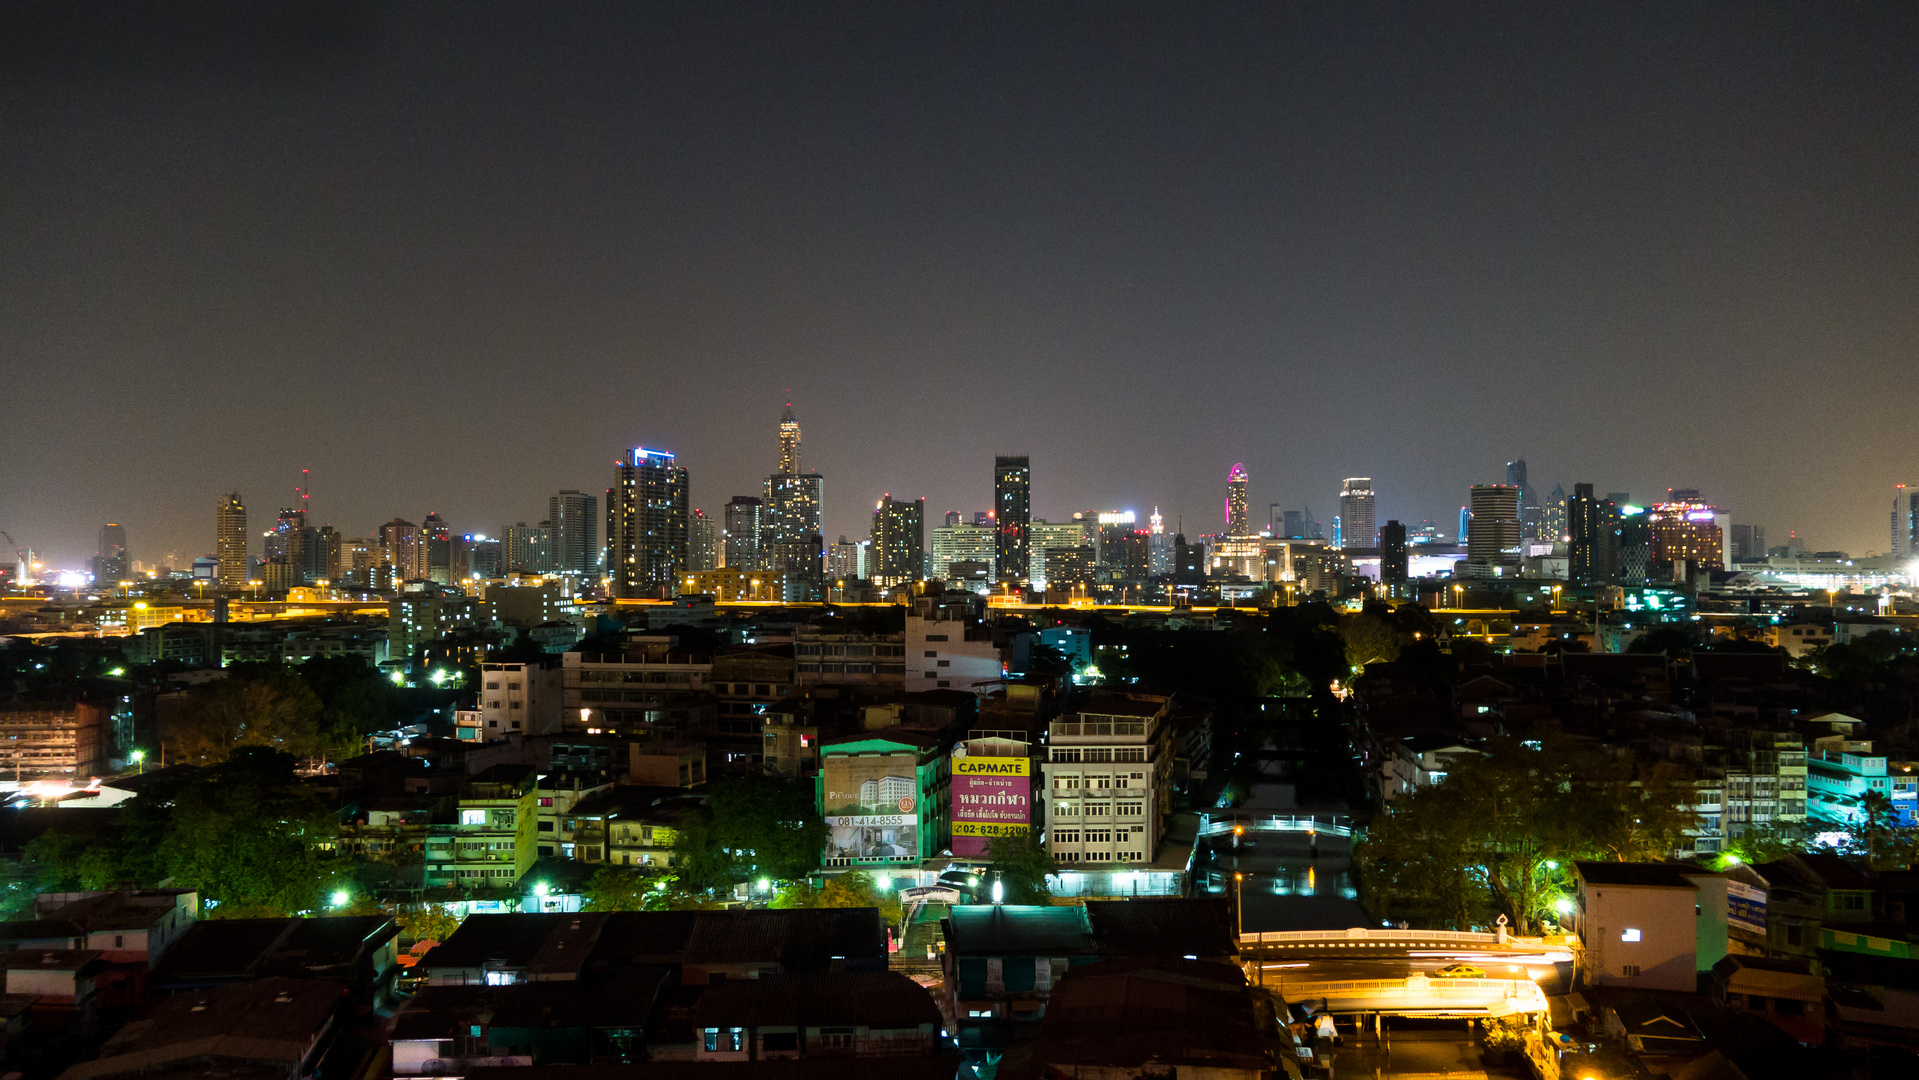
(1059, 507)
(1138, 244)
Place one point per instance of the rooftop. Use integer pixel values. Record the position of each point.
(1643, 875)
(273, 1020)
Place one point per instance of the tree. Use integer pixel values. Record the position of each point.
(251, 841)
(273, 709)
(428, 922)
(1369, 639)
(751, 827)
(1021, 864)
(627, 888)
(1499, 832)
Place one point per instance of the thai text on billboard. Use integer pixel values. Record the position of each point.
(1745, 907)
(992, 797)
(871, 804)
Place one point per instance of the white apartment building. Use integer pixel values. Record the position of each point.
(1107, 778)
(947, 649)
(518, 699)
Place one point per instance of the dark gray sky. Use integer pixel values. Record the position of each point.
(455, 257)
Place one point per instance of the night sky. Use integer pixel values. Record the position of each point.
(455, 257)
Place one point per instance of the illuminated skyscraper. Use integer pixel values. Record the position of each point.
(646, 526)
(703, 542)
(1236, 501)
(436, 548)
(899, 541)
(401, 539)
(789, 441)
(1552, 516)
(1684, 527)
(1159, 547)
(745, 522)
(1013, 507)
(1495, 536)
(1356, 510)
(792, 540)
(576, 545)
(1905, 522)
(230, 541)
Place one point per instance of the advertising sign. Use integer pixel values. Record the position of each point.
(1745, 907)
(872, 806)
(992, 797)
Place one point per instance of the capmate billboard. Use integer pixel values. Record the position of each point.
(992, 797)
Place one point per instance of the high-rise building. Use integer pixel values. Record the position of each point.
(230, 540)
(1393, 564)
(745, 523)
(329, 548)
(1236, 501)
(703, 542)
(789, 441)
(1588, 526)
(1465, 525)
(899, 541)
(846, 560)
(1356, 509)
(792, 541)
(1685, 527)
(1294, 527)
(1748, 543)
(528, 549)
(1013, 509)
(401, 539)
(1159, 547)
(1633, 546)
(1494, 537)
(1531, 515)
(646, 525)
(436, 548)
(1552, 516)
(1905, 522)
(111, 562)
(967, 543)
(576, 546)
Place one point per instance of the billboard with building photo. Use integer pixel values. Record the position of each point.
(992, 797)
(871, 805)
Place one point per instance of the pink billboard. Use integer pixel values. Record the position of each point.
(992, 797)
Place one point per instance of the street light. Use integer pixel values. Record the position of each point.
(340, 898)
(140, 759)
(1239, 908)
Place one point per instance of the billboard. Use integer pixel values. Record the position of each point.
(871, 805)
(1745, 907)
(992, 797)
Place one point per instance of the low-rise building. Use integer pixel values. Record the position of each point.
(947, 648)
(1640, 925)
(123, 925)
(519, 699)
(1108, 780)
(492, 839)
(67, 740)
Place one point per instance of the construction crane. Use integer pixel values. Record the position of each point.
(20, 575)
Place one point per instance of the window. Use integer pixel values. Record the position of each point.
(836, 1039)
(724, 1040)
(935, 637)
(1069, 783)
(548, 801)
(472, 817)
(493, 685)
(1129, 809)
(1629, 970)
(1630, 934)
(932, 652)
